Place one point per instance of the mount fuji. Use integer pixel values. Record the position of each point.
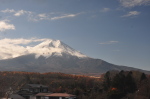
(56, 56)
(54, 48)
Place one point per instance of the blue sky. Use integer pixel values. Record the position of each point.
(117, 31)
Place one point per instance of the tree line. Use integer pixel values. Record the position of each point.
(111, 85)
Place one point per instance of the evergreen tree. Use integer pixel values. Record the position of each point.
(119, 81)
(107, 81)
(143, 77)
(130, 85)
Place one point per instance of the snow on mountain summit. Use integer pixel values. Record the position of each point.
(11, 48)
(49, 43)
(53, 47)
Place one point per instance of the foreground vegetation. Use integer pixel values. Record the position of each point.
(112, 85)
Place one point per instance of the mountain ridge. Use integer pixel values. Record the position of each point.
(65, 64)
(56, 56)
(45, 48)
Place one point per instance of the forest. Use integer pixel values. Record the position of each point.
(111, 85)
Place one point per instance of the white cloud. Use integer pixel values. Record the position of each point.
(42, 16)
(20, 41)
(51, 16)
(4, 25)
(63, 16)
(109, 42)
(10, 48)
(16, 13)
(131, 13)
(8, 11)
(20, 12)
(105, 10)
(133, 3)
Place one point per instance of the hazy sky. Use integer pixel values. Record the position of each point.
(117, 31)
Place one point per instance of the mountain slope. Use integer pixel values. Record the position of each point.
(55, 56)
(65, 64)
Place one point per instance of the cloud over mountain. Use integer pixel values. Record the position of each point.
(4, 25)
(11, 48)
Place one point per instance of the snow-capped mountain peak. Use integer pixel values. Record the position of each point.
(49, 43)
(53, 47)
(11, 48)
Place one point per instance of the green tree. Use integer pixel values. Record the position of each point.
(143, 77)
(119, 81)
(107, 81)
(130, 85)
